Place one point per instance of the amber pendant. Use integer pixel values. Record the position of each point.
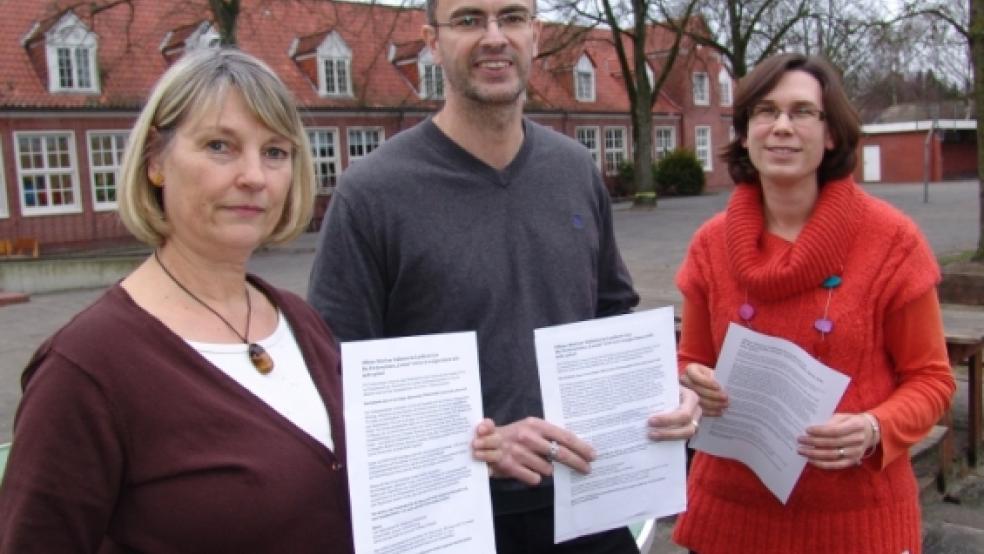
(261, 360)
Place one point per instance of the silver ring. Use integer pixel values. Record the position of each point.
(553, 451)
(696, 425)
(840, 452)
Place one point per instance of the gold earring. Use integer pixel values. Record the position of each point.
(156, 179)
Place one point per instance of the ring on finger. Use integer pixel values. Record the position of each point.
(840, 453)
(552, 451)
(695, 424)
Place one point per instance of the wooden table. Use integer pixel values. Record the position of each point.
(964, 330)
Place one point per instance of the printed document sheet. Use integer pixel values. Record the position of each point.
(602, 379)
(775, 391)
(411, 407)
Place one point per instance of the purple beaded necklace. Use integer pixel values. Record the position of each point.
(824, 325)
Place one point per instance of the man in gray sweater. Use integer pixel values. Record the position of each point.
(479, 219)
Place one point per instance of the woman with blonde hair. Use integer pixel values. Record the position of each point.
(193, 407)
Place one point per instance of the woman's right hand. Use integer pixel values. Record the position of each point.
(700, 379)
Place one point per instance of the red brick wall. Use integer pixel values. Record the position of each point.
(960, 159)
(902, 157)
(61, 229)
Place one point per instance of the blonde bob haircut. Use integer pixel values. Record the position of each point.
(197, 83)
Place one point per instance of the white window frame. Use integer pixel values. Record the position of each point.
(704, 151)
(615, 155)
(114, 168)
(663, 147)
(596, 150)
(205, 36)
(72, 172)
(701, 84)
(586, 70)
(431, 76)
(334, 49)
(363, 131)
(724, 88)
(336, 159)
(4, 209)
(73, 39)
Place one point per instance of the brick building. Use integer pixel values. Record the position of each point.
(74, 75)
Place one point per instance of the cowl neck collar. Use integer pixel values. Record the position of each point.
(818, 252)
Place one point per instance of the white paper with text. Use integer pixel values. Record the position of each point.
(602, 379)
(775, 391)
(411, 407)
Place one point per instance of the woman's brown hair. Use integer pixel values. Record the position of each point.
(841, 119)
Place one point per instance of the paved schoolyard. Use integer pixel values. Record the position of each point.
(653, 243)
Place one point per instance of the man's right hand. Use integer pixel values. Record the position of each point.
(526, 449)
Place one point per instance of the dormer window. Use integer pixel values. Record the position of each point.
(431, 76)
(71, 54)
(334, 66)
(189, 38)
(205, 36)
(584, 80)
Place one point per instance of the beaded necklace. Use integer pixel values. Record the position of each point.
(824, 325)
(258, 356)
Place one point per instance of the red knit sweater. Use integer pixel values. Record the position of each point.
(886, 265)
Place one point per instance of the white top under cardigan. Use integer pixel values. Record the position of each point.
(288, 388)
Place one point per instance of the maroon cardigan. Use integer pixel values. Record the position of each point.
(127, 440)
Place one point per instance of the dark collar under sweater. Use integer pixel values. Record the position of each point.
(819, 251)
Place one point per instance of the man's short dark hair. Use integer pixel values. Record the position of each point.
(842, 120)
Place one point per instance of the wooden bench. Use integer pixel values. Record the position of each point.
(22, 246)
(964, 327)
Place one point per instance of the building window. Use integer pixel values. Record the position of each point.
(431, 81)
(4, 211)
(664, 140)
(71, 53)
(46, 173)
(334, 66)
(324, 151)
(362, 141)
(584, 80)
(105, 158)
(588, 136)
(335, 75)
(724, 87)
(701, 92)
(615, 150)
(702, 146)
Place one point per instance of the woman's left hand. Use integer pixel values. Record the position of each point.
(681, 423)
(837, 444)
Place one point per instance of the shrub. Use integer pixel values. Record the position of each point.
(679, 173)
(625, 180)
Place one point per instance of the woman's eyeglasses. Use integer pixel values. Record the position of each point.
(802, 115)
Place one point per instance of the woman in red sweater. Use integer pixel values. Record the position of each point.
(803, 253)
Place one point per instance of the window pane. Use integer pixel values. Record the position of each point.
(83, 68)
(65, 68)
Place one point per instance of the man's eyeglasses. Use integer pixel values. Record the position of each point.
(800, 114)
(479, 22)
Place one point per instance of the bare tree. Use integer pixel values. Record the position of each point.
(632, 23)
(746, 32)
(967, 20)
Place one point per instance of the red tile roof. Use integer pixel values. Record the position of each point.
(131, 35)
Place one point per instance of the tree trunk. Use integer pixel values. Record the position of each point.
(226, 12)
(977, 58)
(642, 131)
